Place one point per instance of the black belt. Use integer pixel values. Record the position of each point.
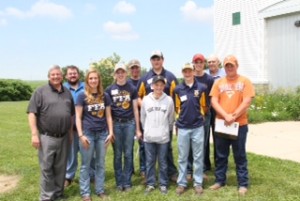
(120, 120)
(56, 135)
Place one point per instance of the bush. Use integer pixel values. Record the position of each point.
(279, 105)
(14, 90)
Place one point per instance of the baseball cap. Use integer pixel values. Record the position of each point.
(156, 53)
(230, 59)
(120, 66)
(187, 66)
(134, 62)
(198, 57)
(158, 78)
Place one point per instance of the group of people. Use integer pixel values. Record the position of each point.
(83, 117)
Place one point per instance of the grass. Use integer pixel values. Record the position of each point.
(35, 83)
(271, 179)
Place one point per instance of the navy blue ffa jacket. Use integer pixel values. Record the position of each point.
(144, 85)
(190, 103)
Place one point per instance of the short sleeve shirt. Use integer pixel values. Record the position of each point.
(208, 81)
(190, 103)
(93, 117)
(144, 85)
(52, 108)
(122, 100)
(230, 94)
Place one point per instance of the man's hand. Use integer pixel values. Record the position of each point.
(229, 119)
(35, 141)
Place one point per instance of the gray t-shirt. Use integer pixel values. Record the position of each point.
(53, 109)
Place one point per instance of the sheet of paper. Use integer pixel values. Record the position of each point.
(220, 127)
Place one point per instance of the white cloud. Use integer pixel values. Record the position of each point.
(3, 22)
(120, 31)
(192, 12)
(124, 7)
(42, 8)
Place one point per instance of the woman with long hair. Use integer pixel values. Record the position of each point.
(95, 131)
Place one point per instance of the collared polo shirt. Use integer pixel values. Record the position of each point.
(52, 108)
(190, 105)
(144, 85)
(221, 73)
(73, 91)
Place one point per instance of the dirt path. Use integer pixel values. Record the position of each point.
(8, 183)
(275, 139)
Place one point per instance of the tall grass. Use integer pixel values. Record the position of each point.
(279, 105)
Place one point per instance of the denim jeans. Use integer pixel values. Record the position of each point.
(72, 161)
(124, 139)
(239, 154)
(142, 155)
(97, 148)
(194, 138)
(206, 160)
(156, 151)
(172, 170)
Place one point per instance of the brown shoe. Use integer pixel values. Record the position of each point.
(180, 190)
(86, 198)
(198, 190)
(67, 183)
(174, 178)
(205, 177)
(216, 186)
(242, 191)
(189, 177)
(143, 177)
(102, 196)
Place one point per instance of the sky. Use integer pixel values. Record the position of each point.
(35, 34)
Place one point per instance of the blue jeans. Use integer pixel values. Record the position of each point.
(97, 148)
(172, 170)
(142, 155)
(194, 138)
(206, 160)
(156, 151)
(124, 139)
(239, 154)
(72, 161)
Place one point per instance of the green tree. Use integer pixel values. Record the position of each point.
(106, 68)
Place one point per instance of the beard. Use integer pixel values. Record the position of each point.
(73, 82)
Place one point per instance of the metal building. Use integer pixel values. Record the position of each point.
(264, 35)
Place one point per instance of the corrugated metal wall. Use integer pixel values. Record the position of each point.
(246, 40)
(283, 50)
